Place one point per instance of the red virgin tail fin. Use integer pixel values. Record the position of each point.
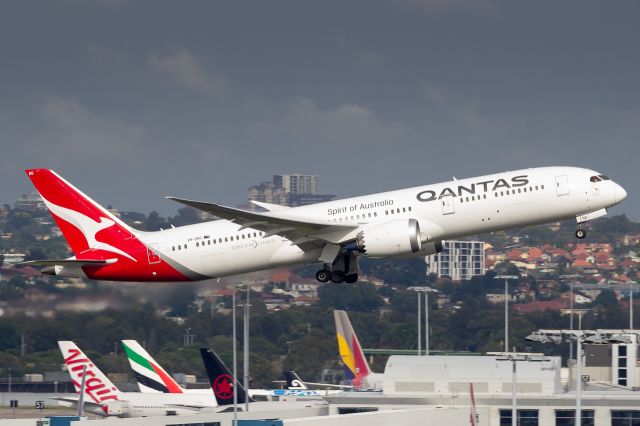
(79, 217)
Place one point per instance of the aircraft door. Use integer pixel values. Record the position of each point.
(447, 205)
(152, 253)
(562, 185)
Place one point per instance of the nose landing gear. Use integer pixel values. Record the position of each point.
(580, 233)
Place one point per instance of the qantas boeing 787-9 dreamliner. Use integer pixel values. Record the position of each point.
(406, 222)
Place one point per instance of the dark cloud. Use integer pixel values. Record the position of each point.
(136, 100)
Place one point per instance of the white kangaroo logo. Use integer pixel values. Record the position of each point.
(87, 226)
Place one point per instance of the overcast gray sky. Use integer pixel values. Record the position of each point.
(135, 100)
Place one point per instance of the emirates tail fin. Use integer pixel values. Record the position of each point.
(151, 377)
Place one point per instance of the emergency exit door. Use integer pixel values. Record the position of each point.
(562, 185)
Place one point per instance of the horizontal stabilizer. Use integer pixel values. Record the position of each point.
(70, 262)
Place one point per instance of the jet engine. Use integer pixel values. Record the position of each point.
(393, 238)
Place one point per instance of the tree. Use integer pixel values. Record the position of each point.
(349, 297)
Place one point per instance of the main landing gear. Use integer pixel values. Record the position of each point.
(336, 276)
(344, 269)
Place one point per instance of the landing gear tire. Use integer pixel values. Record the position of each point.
(351, 278)
(337, 276)
(323, 275)
(580, 234)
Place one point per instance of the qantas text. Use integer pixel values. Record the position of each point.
(484, 186)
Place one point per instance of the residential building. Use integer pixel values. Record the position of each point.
(297, 183)
(30, 202)
(459, 260)
(288, 190)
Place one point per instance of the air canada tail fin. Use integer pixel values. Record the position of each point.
(293, 380)
(222, 381)
(97, 387)
(355, 364)
(151, 377)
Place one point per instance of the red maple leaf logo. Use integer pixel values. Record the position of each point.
(223, 386)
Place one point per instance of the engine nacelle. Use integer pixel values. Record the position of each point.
(394, 238)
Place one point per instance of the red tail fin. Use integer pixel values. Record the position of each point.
(94, 233)
(79, 217)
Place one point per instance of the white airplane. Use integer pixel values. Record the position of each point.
(406, 222)
(103, 398)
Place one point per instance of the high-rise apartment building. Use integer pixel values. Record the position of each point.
(297, 183)
(459, 260)
(288, 190)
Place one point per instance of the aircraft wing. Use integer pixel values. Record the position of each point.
(274, 223)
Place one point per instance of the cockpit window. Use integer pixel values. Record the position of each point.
(594, 179)
(603, 177)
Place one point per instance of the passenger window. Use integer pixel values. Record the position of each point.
(484, 196)
(525, 189)
(185, 246)
(398, 210)
(386, 212)
(501, 193)
(536, 187)
(461, 200)
(197, 244)
(519, 191)
(375, 214)
(541, 186)
(173, 248)
(409, 208)
(404, 210)
(226, 239)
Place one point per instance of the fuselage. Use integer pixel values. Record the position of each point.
(460, 208)
(445, 210)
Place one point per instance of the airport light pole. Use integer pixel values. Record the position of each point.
(426, 318)
(426, 291)
(630, 306)
(506, 307)
(247, 305)
(416, 289)
(235, 357)
(514, 381)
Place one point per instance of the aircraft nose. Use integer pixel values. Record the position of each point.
(619, 193)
